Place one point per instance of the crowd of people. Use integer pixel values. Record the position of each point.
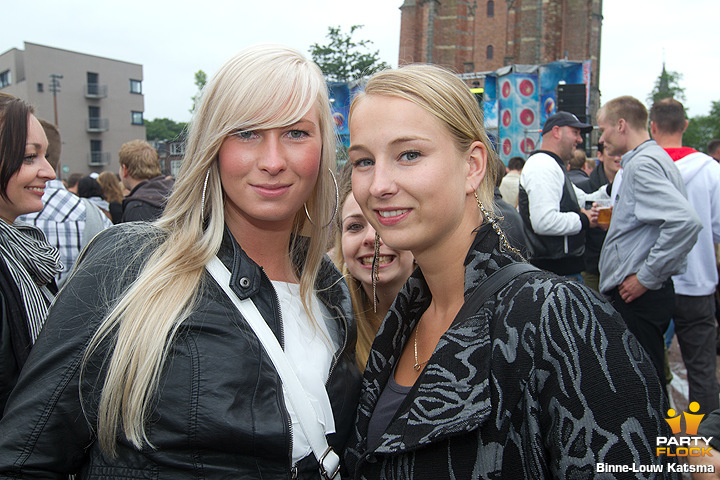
(424, 312)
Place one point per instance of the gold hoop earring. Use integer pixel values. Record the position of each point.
(337, 202)
(492, 219)
(376, 270)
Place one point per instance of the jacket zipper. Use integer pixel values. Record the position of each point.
(276, 302)
(336, 358)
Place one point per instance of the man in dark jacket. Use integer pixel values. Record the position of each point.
(140, 173)
(551, 207)
(576, 167)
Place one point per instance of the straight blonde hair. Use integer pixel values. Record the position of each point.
(262, 87)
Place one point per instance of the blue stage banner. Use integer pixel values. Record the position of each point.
(519, 121)
(340, 97)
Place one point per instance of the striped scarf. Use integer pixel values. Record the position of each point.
(32, 263)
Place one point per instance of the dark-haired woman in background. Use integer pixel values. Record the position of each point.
(28, 263)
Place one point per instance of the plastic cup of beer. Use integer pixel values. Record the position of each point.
(604, 210)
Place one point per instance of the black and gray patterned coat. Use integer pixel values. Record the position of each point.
(544, 381)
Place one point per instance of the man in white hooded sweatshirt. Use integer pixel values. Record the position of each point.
(694, 313)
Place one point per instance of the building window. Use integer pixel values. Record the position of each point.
(491, 8)
(40, 87)
(5, 79)
(468, 67)
(489, 53)
(93, 84)
(135, 86)
(96, 154)
(137, 118)
(177, 148)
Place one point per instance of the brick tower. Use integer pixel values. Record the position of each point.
(485, 35)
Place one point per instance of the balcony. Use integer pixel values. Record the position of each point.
(97, 124)
(98, 159)
(95, 90)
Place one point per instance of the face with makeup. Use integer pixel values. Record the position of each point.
(410, 178)
(358, 248)
(267, 175)
(26, 187)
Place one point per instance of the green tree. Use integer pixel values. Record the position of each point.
(703, 128)
(667, 85)
(343, 59)
(163, 129)
(200, 81)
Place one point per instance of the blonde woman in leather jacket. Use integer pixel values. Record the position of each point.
(146, 369)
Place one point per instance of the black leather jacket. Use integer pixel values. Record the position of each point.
(15, 339)
(219, 411)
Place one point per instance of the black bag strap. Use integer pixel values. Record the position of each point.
(491, 285)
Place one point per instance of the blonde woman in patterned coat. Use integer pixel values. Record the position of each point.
(543, 380)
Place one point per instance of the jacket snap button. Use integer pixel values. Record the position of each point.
(245, 282)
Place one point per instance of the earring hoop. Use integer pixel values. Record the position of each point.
(202, 201)
(337, 202)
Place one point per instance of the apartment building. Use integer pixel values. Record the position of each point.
(96, 102)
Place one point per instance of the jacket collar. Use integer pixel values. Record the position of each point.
(247, 278)
(452, 395)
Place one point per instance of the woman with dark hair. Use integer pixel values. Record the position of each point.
(28, 263)
(90, 189)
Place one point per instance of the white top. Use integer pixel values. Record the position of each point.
(310, 352)
(544, 180)
(701, 174)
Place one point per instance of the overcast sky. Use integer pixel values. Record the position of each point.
(174, 39)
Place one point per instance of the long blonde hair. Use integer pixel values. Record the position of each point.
(262, 87)
(442, 94)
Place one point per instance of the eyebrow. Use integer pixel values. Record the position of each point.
(397, 141)
(354, 215)
(302, 121)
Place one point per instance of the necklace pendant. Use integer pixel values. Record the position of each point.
(416, 367)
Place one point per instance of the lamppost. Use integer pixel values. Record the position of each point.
(55, 89)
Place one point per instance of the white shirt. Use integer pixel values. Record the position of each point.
(310, 350)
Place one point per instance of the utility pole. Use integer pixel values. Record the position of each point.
(55, 89)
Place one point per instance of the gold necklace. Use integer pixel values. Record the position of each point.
(418, 365)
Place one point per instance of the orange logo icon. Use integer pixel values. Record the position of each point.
(692, 420)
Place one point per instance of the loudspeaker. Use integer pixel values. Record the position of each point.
(571, 98)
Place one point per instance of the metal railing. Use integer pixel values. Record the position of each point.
(98, 159)
(95, 90)
(97, 124)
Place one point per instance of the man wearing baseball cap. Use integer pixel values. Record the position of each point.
(550, 205)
